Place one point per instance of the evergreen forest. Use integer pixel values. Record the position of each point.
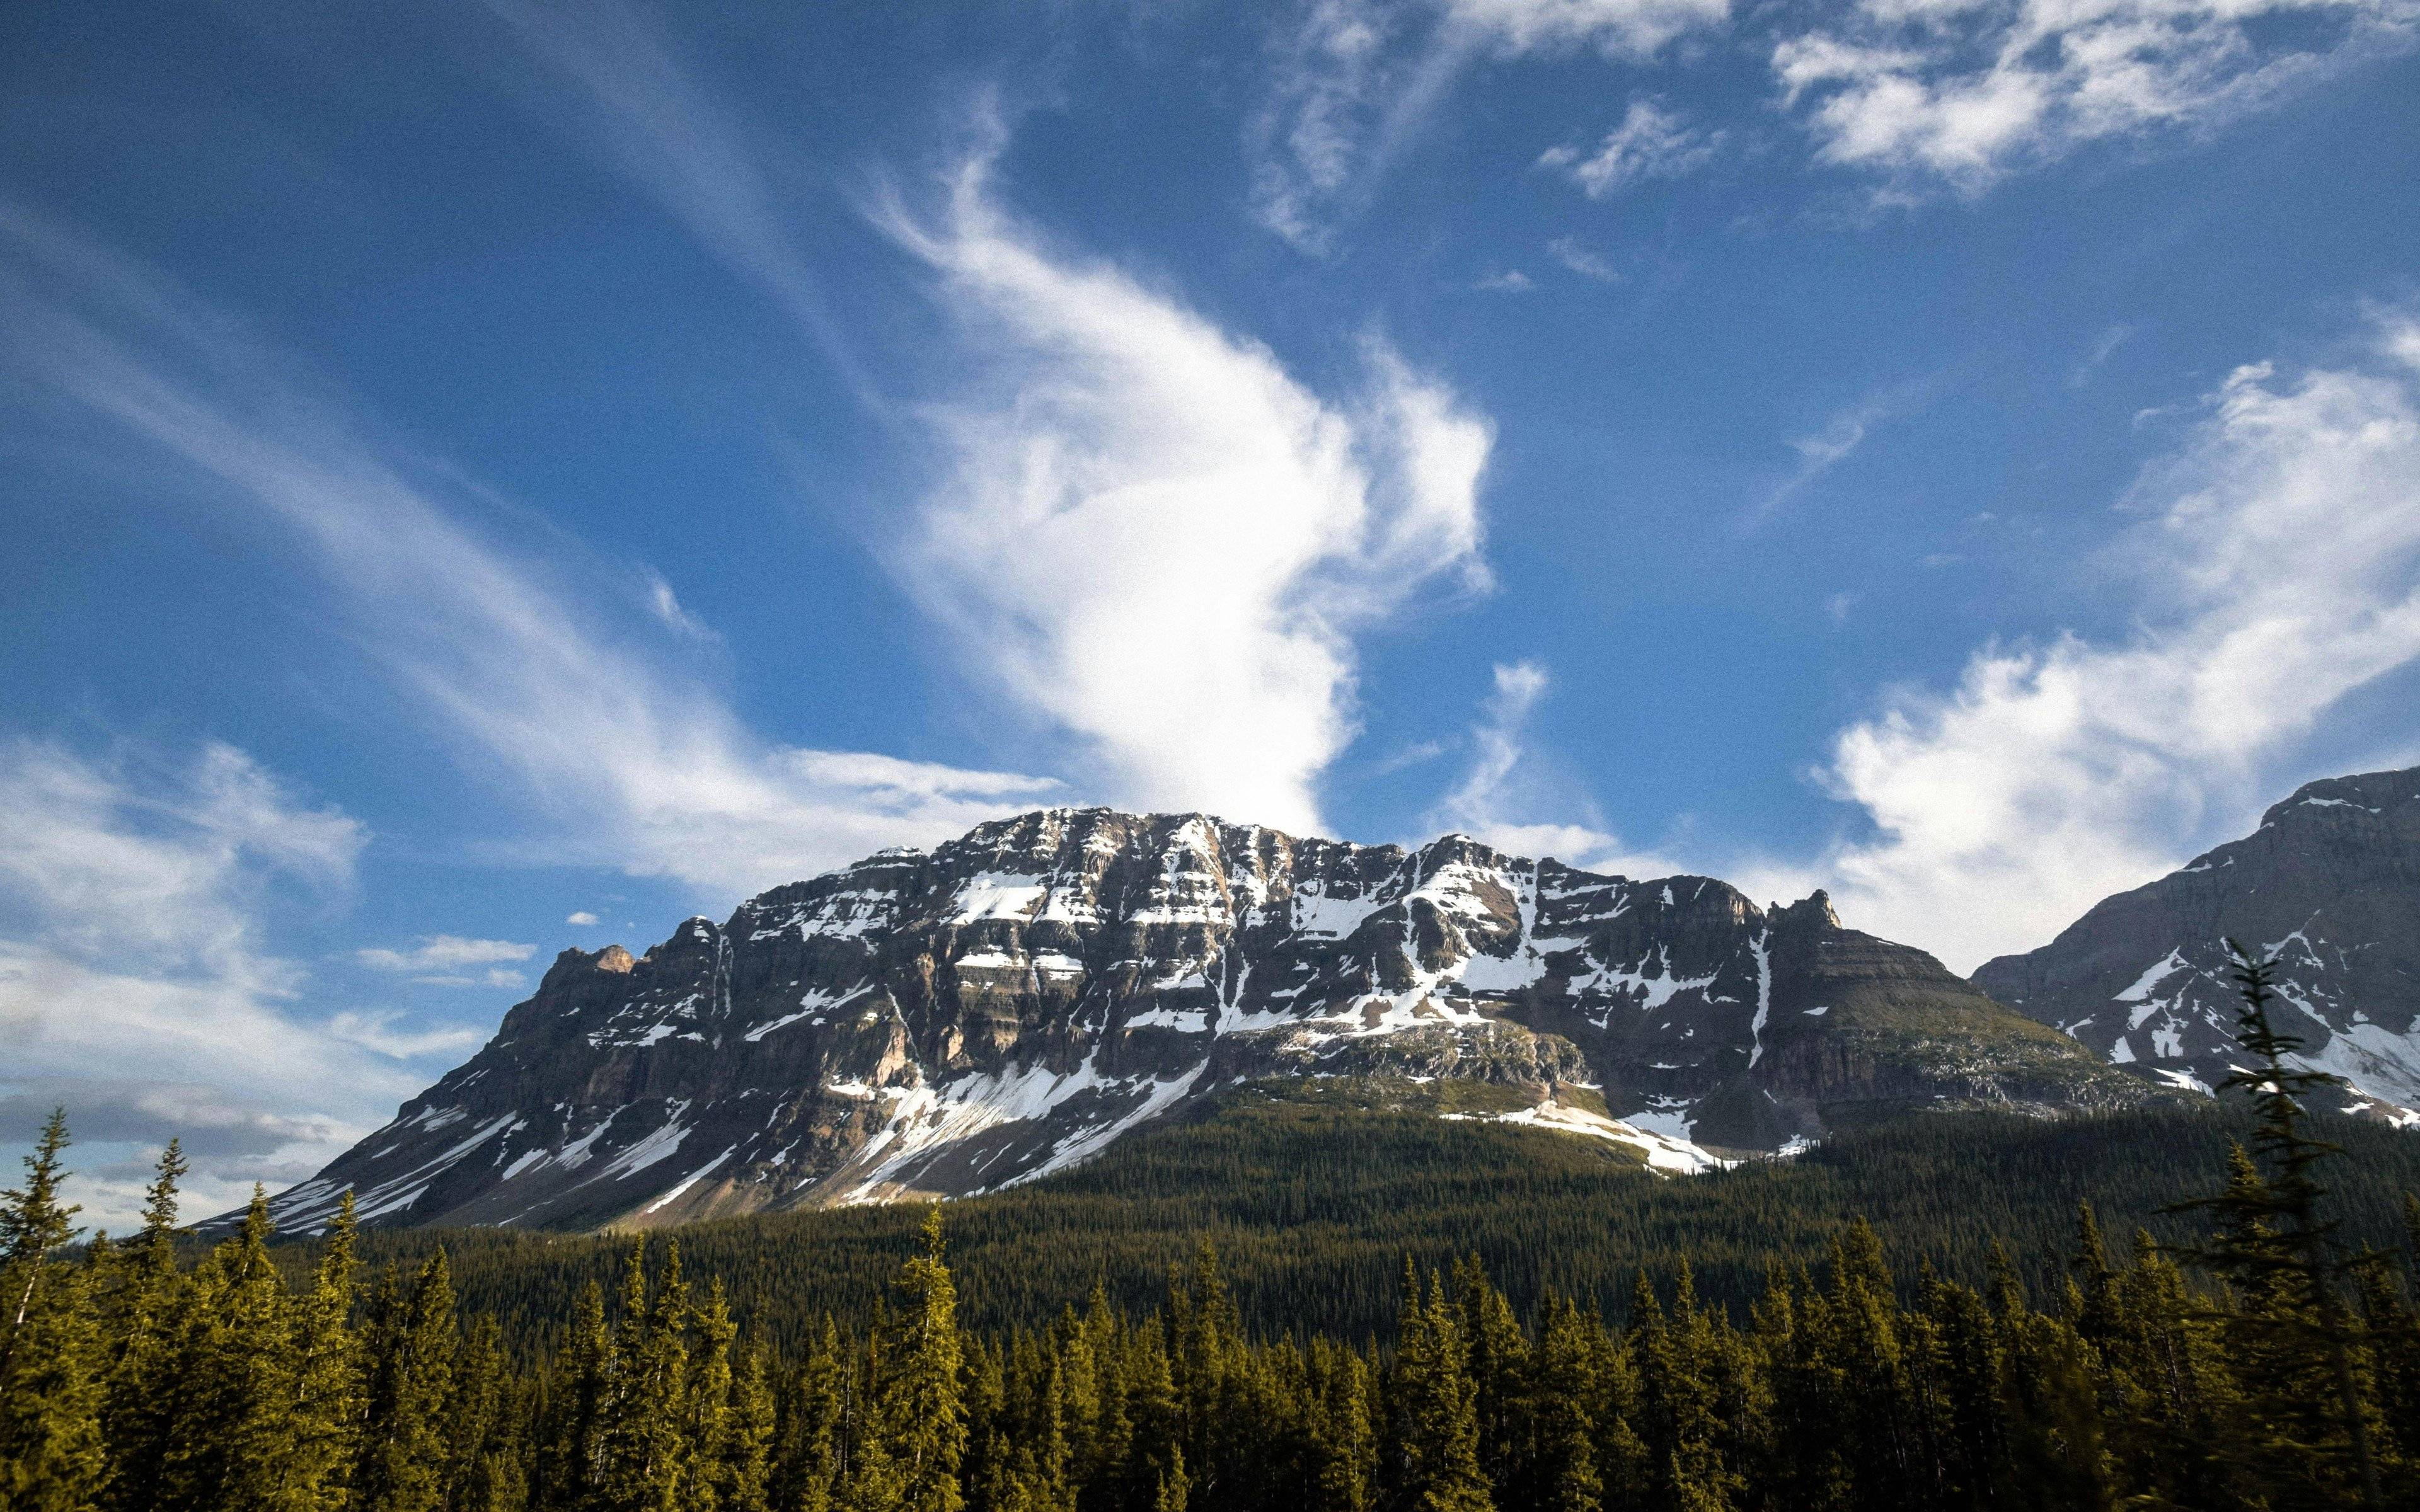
(2259, 1351)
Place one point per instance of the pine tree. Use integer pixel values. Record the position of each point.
(808, 1454)
(871, 1478)
(404, 1454)
(1437, 1409)
(2055, 1457)
(32, 1222)
(2273, 1241)
(52, 1455)
(747, 1479)
(570, 1458)
(232, 1378)
(1175, 1487)
(706, 1412)
(921, 1416)
(477, 1416)
(140, 1300)
(642, 1439)
(1569, 1397)
(1346, 1449)
(1500, 1372)
(323, 1420)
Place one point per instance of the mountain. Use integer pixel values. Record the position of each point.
(1008, 1004)
(2329, 883)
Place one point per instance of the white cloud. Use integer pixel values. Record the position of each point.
(134, 984)
(378, 1032)
(1964, 92)
(1502, 794)
(1155, 538)
(1357, 80)
(2277, 566)
(1580, 260)
(2104, 347)
(1651, 143)
(441, 952)
(1617, 28)
(581, 917)
(667, 608)
(1510, 280)
(1843, 432)
(635, 762)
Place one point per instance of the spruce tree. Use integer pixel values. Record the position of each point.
(53, 1458)
(2274, 1242)
(323, 1423)
(32, 1222)
(231, 1380)
(404, 1449)
(1570, 1398)
(746, 1477)
(921, 1417)
(140, 1301)
(642, 1436)
(1437, 1409)
(705, 1410)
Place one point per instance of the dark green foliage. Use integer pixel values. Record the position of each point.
(1313, 1209)
(1841, 1381)
(2288, 1261)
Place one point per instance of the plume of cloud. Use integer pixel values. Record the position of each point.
(1356, 81)
(2277, 560)
(1961, 92)
(1651, 143)
(1155, 536)
(640, 764)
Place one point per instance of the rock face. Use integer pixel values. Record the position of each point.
(1008, 1005)
(2329, 883)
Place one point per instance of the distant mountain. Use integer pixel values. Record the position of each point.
(1012, 1002)
(2330, 882)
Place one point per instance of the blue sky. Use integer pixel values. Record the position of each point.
(490, 477)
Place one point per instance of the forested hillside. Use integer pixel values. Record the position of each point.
(1313, 1209)
(129, 1385)
(2267, 1355)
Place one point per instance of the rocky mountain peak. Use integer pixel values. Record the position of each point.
(2329, 884)
(1010, 1002)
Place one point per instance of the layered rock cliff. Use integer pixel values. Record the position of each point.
(1005, 1006)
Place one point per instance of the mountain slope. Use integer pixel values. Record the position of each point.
(1009, 1004)
(2330, 882)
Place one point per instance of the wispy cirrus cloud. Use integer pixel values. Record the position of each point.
(1573, 257)
(633, 101)
(1842, 434)
(626, 756)
(448, 960)
(2276, 560)
(1650, 142)
(1959, 93)
(1353, 81)
(1154, 535)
